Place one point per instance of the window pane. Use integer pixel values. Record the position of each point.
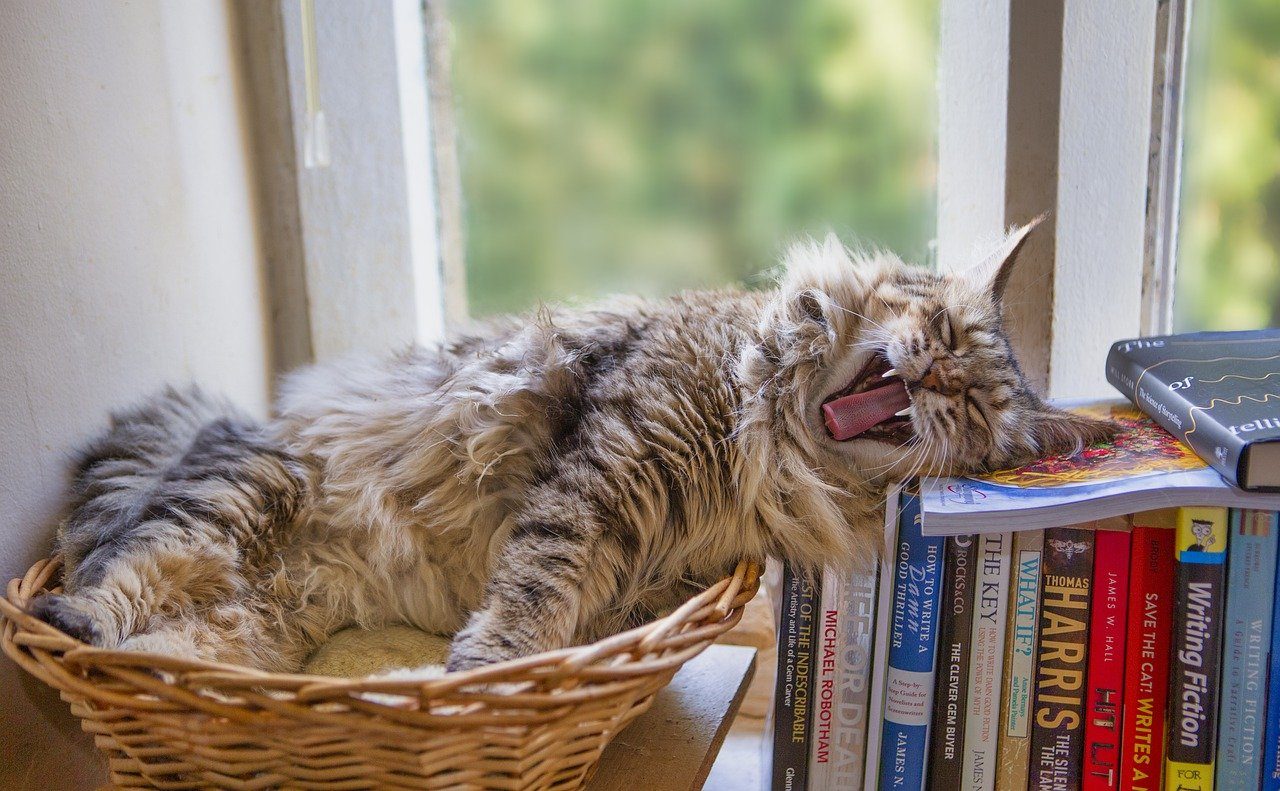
(1228, 268)
(646, 146)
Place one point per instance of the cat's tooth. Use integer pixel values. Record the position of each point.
(888, 373)
(904, 413)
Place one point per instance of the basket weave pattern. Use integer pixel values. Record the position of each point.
(540, 722)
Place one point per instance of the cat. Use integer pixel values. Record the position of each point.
(549, 480)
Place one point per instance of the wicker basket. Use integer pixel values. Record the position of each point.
(540, 722)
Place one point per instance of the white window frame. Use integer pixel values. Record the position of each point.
(1056, 107)
(364, 249)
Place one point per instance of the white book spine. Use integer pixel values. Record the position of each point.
(828, 625)
(838, 764)
(986, 661)
(880, 656)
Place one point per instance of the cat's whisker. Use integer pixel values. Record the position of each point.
(904, 452)
(861, 316)
(970, 305)
(921, 459)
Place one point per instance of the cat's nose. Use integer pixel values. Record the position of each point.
(930, 380)
(935, 381)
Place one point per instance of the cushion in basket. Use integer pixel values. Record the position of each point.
(356, 653)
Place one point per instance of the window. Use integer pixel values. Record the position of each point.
(1229, 253)
(648, 146)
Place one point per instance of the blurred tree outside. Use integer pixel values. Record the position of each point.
(646, 146)
(1228, 261)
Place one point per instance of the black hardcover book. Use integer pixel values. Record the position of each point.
(1219, 392)
(946, 736)
(792, 699)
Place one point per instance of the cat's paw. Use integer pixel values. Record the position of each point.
(63, 613)
(481, 643)
(464, 655)
(460, 661)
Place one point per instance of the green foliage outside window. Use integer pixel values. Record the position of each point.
(649, 146)
(1228, 261)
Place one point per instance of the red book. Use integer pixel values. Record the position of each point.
(1102, 704)
(1146, 678)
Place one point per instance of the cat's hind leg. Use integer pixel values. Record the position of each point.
(179, 511)
(189, 601)
(231, 633)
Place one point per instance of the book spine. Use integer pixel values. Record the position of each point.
(1167, 404)
(1251, 579)
(1200, 573)
(1017, 690)
(1146, 682)
(853, 686)
(947, 740)
(830, 611)
(986, 663)
(792, 710)
(913, 642)
(1107, 644)
(880, 646)
(1057, 731)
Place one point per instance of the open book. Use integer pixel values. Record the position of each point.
(1142, 469)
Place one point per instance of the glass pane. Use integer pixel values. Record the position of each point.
(1228, 266)
(646, 146)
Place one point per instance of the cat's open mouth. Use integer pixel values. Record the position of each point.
(874, 405)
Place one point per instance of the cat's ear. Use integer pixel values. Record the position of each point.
(995, 271)
(1057, 431)
(810, 270)
(811, 304)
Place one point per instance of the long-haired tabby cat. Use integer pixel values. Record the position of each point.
(551, 479)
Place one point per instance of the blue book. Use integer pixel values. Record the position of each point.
(1271, 737)
(1251, 585)
(913, 648)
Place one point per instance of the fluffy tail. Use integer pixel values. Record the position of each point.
(173, 515)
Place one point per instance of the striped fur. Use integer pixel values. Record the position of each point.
(543, 481)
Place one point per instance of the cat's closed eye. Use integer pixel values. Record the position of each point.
(946, 330)
(974, 410)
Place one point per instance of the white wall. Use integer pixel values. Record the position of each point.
(129, 257)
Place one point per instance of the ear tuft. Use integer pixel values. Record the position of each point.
(833, 248)
(1058, 432)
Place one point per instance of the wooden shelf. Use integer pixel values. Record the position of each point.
(672, 745)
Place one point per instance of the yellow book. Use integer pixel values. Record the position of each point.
(1199, 606)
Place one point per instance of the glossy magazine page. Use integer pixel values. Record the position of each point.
(1143, 468)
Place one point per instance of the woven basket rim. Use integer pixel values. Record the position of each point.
(591, 670)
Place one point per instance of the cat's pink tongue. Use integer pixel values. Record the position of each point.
(851, 415)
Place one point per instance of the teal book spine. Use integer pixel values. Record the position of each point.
(1251, 579)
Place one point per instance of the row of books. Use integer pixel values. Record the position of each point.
(1130, 653)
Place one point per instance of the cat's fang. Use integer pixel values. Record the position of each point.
(889, 373)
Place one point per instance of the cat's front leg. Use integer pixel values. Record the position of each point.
(557, 570)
